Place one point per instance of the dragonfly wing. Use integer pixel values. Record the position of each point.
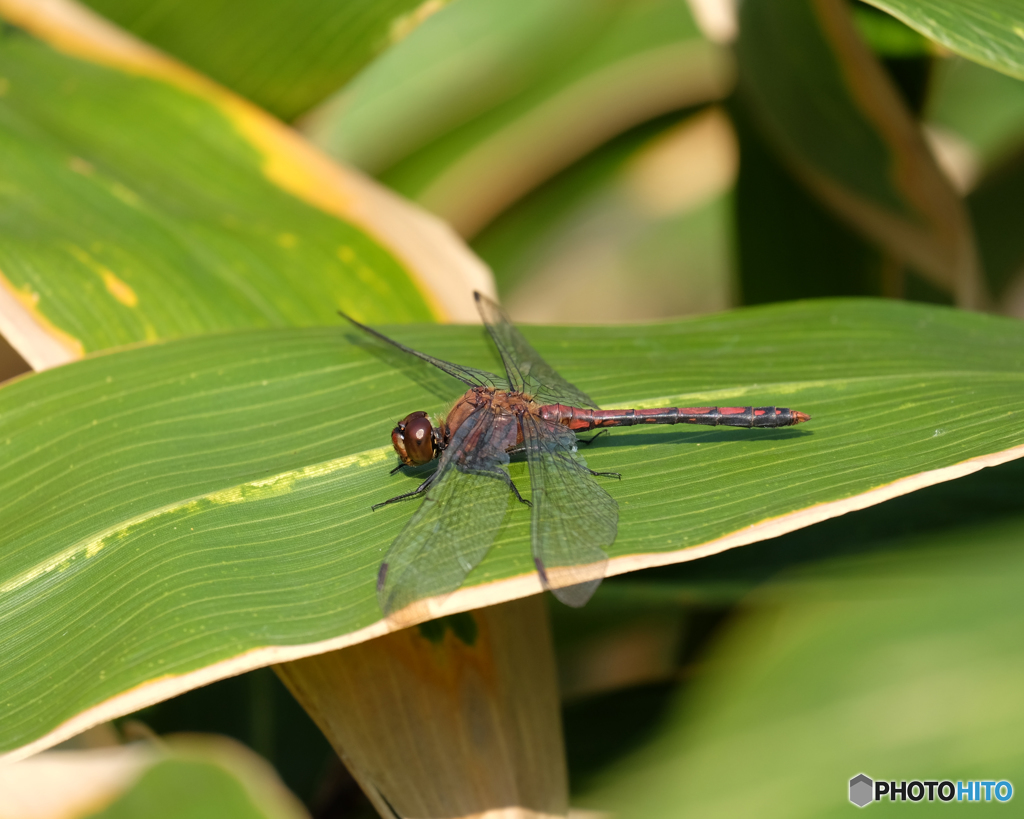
(573, 517)
(455, 526)
(526, 370)
(467, 375)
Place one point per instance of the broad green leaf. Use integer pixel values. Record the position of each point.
(651, 206)
(285, 57)
(138, 202)
(181, 512)
(824, 102)
(990, 32)
(189, 776)
(488, 98)
(904, 664)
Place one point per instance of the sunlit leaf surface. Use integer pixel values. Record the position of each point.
(177, 507)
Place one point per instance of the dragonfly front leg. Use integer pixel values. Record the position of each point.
(419, 490)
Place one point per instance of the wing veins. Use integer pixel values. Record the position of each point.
(525, 368)
(572, 517)
(467, 375)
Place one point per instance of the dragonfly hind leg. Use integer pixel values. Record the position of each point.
(588, 442)
(501, 473)
(591, 439)
(515, 491)
(513, 487)
(574, 463)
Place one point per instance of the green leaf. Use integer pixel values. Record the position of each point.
(823, 101)
(181, 512)
(903, 664)
(488, 99)
(139, 202)
(285, 57)
(990, 32)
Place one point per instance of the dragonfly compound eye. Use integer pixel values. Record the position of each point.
(413, 439)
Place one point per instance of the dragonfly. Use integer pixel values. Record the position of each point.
(531, 411)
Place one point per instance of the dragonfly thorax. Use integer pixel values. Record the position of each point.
(416, 440)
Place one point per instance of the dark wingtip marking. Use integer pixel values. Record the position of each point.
(382, 576)
(540, 570)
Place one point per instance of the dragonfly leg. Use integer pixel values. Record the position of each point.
(396, 469)
(578, 465)
(419, 490)
(501, 473)
(592, 438)
(512, 486)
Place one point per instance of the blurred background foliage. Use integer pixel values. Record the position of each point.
(631, 160)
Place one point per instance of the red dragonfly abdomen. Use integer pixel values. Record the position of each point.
(581, 419)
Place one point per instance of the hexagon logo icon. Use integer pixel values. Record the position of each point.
(861, 790)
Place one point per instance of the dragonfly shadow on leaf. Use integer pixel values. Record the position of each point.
(691, 437)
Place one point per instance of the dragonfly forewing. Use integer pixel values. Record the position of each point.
(573, 520)
(467, 375)
(456, 525)
(526, 370)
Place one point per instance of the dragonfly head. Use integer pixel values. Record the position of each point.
(415, 439)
